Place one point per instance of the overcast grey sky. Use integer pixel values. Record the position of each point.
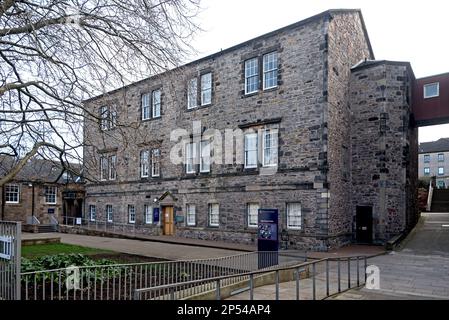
(399, 30)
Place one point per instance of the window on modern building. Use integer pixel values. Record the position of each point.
(251, 75)
(206, 89)
(113, 167)
(50, 194)
(144, 163)
(131, 214)
(426, 171)
(92, 212)
(441, 171)
(253, 214)
(441, 157)
(270, 148)
(190, 157)
(148, 211)
(427, 158)
(191, 215)
(12, 193)
(270, 70)
(205, 156)
(104, 168)
(431, 90)
(294, 220)
(156, 103)
(146, 111)
(214, 215)
(251, 150)
(192, 93)
(109, 213)
(155, 162)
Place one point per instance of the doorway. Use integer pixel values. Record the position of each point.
(364, 224)
(168, 221)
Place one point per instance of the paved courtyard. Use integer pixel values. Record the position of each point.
(418, 270)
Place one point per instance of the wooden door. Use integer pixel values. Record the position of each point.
(169, 226)
(364, 224)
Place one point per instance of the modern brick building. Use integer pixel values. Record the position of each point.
(324, 133)
(434, 161)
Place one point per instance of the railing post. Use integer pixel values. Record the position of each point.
(339, 274)
(277, 284)
(313, 282)
(17, 259)
(217, 291)
(136, 295)
(349, 272)
(327, 278)
(358, 272)
(366, 266)
(297, 283)
(251, 287)
(172, 293)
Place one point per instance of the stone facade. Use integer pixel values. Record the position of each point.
(311, 108)
(384, 146)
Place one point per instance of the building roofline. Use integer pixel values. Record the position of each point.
(369, 64)
(324, 14)
(435, 75)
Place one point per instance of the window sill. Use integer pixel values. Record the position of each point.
(151, 119)
(199, 107)
(270, 89)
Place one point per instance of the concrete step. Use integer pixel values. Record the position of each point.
(46, 228)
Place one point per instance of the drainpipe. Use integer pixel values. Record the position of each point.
(32, 202)
(3, 203)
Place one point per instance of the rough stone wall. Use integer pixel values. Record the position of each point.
(347, 45)
(298, 101)
(382, 143)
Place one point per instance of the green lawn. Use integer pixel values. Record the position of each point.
(39, 250)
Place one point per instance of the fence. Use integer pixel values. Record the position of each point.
(104, 225)
(325, 277)
(119, 282)
(10, 246)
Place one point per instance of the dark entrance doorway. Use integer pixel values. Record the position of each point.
(364, 224)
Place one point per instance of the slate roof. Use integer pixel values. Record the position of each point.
(441, 145)
(39, 170)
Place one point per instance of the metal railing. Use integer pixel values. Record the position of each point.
(309, 281)
(118, 282)
(10, 253)
(104, 225)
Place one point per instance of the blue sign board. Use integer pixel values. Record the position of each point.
(268, 237)
(156, 215)
(51, 210)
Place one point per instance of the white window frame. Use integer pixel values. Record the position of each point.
(155, 162)
(109, 213)
(112, 118)
(440, 157)
(264, 147)
(192, 93)
(204, 157)
(16, 193)
(190, 157)
(213, 212)
(427, 158)
(112, 167)
(156, 102)
(206, 89)
(53, 193)
(432, 84)
(104, 168)
(247, 151)
(269, 71)
(131, 214)
(146, 106)
(441, 171)
(144, 163)
(92, 212)
(251, 75)
(426, 171)
(289, 215)
(250, 208)
(148, 213)
(104, 118)
(190, 212)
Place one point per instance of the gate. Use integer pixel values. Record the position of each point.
(10, 246)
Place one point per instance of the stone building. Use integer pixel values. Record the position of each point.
(322, 132)
(41, 194)
(434, 161)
